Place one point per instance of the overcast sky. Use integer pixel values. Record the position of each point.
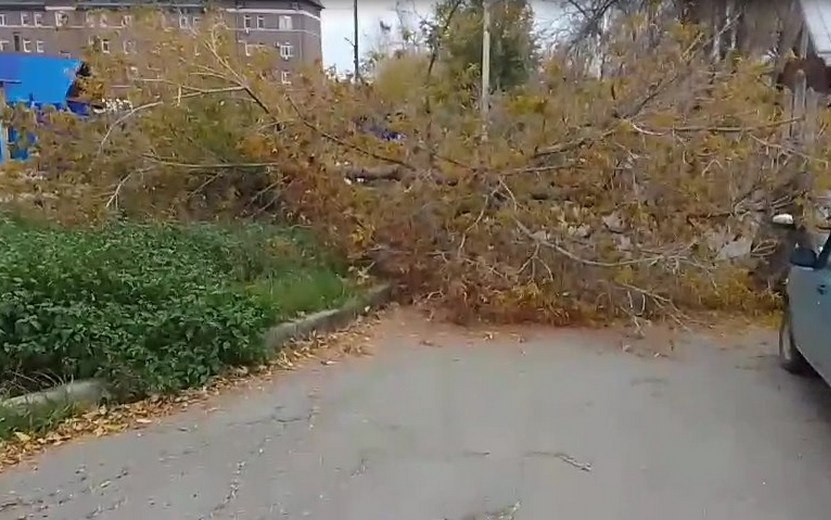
(338, 27)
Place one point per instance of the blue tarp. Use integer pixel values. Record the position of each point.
(37, 82)
(42, 80)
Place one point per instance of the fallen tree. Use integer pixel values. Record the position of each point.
(639, 195)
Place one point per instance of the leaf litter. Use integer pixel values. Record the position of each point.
(325, 349)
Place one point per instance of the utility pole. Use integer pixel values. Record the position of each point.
(485, 99)
(356, 54)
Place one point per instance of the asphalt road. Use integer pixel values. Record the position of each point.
(440, 425)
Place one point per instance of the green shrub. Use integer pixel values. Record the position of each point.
(149, 308)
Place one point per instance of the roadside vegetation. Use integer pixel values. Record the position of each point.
(149, 308)
(624, 173)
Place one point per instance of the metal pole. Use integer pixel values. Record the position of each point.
(4, 132)
(357, 54)
(486, 66)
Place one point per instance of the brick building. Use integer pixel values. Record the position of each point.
(65, 27)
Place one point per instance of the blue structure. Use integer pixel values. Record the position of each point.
(38, 81)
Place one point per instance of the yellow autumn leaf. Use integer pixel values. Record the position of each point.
(22, 437)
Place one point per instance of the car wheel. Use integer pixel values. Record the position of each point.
(790, 357)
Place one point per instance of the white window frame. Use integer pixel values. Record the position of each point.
(25, 19)
(246, 48)
(4, 45)
(285, 22)
(61, 19)
(103, 21)
(105, 46)
(184, 21)
(2, 20)
(247, 22)
(287, 51)
(129, 46)
(26, 45)
(89, 19)
(260, 22)
(38, 19)
(127, 20)
(195, 21)
(40, 46)
(285, 77)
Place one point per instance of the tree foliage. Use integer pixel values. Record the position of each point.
(636, 195)
(758, 30)
(455, 36)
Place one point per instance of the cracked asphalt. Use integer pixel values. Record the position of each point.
(442, 424)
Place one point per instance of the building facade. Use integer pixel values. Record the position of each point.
(67, 27)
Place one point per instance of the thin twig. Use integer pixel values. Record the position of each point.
(121, 120)
(345, 144)
(207, 166)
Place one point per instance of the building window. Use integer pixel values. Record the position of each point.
(38, 19)
(129, 47)
(24, 19)
(183, 21)
(102, 21)
(260, 21)
(61, 19)
(126, 20)
(285, 23)
(246, 48)
(285, 77)
(65, 54)
(195, 21)
(2, 19)
(105, 46)
(27, 45)
(287, 51)
(40, 46)
(246, 21)
(4, 45)
(90, 20)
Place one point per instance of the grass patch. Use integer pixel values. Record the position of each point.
(35, 421)
(150, 308)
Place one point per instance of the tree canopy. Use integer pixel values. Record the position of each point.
(455, 37)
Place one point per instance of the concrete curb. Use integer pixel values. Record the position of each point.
(276, 337)
(84, 393)
(88, 393)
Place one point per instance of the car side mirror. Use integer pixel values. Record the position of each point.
(784, 220)
(803, 257)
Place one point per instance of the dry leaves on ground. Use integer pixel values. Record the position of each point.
(106, 420)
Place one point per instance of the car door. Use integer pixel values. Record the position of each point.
(821, 346)
(809, 299)
(803, 303)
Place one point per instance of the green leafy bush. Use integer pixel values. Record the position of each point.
(149, 308)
